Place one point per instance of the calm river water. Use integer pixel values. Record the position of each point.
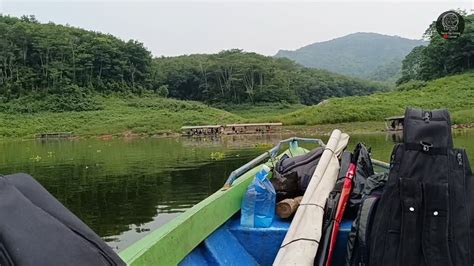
(123, 189)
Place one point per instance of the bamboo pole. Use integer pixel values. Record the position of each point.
(301, 241)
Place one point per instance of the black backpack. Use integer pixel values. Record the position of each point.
(35, 229)
(358, 243)
(364, 168)
(425, 215)
(291, 175)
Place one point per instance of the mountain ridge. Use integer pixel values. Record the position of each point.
(359, 54)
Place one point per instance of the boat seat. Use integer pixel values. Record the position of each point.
(261, 243)
(220, 248)
(233, 244)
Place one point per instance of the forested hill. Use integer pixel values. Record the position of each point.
(38, 57)
(365, 55)
(67, 66)
(240, 77)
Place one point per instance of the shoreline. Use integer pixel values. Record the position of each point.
(367, 127)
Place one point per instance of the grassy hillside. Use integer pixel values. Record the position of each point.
(261, 112)
(147, 115)
(362, 55)
(155, 115)
(455, 93)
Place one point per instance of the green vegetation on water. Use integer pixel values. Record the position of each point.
(125, 189)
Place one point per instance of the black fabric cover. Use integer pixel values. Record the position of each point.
(364, 169)
(36, 229)
(291, 175)
(425, 215)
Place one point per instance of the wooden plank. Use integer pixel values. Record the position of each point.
(169, 244)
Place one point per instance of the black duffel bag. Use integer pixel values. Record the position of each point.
(291, 175)
(36, 229)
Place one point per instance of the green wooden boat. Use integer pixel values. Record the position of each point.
(210, 232)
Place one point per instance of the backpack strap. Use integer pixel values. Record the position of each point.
(367, 210)
(426, 148)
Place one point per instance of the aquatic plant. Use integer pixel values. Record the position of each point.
(216, 156)
(36, 158)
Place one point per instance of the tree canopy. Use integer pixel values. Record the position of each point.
(70, 64)
(442, 57)
(38, 57)
(237, 77)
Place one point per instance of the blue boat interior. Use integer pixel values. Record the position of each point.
(233, 244)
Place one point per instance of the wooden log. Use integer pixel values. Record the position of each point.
(287, 207)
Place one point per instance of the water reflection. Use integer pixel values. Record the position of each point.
(395, 137)
(125, 189)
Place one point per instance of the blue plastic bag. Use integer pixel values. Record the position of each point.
(258, 204)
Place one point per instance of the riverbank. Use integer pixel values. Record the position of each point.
(360, 128)
(154, 116)
(119, 116)
(128, 119)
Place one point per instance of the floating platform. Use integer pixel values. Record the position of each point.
(394, 123)
(54, 135)
(231, 129)
(202, 130)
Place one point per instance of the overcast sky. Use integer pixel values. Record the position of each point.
(179, 27)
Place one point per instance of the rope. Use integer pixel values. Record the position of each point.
(298, 239)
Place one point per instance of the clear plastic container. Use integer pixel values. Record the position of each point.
(258, 204)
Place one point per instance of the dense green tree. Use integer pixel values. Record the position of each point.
(47, 60)
(237, 77)
(163, 91)
(411, 65)
(441, 57)
(38, 57)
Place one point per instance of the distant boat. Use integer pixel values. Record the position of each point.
(210, 232)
